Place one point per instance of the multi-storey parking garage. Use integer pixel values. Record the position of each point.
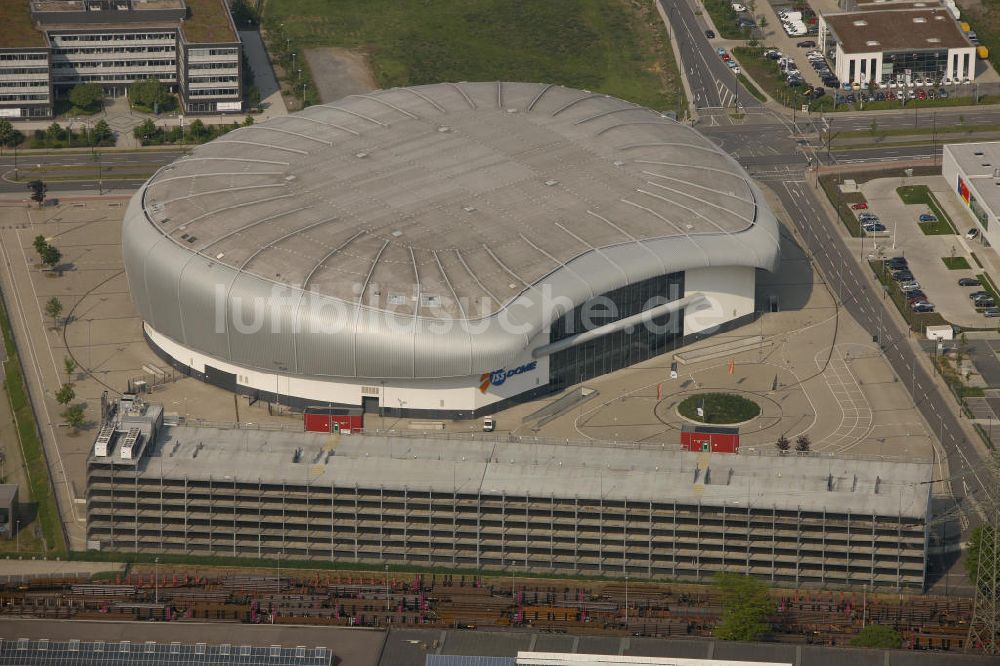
(542, 507)
(443, 250)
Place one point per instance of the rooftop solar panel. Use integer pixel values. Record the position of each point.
(45, 652)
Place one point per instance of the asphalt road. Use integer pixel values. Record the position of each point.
(79, 171)
(712, 82)
(865, 302)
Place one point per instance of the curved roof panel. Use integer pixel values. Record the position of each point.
(447, 199)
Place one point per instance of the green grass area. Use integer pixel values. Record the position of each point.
(921, 195)
(842, 202)
(988, 285)
(610, 46)
(724, 17)
(767, 75)
(938, 228)
(984, 18)
(752, 87)
(18, 26)
(960, 128)
(955, 263)
(917, 321)
(720, 408)
(895, 105)
(40, 488)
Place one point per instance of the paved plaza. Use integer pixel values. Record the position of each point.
(811, 368)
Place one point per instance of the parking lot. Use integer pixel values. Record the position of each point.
(926, 254)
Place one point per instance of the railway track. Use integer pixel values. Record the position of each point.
(363, 599)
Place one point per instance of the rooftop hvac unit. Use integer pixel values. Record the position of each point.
(131, 439)
(104, 440)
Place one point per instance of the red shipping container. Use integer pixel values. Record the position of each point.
(711, 439)
(333, 419)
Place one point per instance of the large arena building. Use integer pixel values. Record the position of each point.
(443, 250)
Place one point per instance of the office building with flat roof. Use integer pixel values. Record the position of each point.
(190, 45)
(972, 171)
(918, 46)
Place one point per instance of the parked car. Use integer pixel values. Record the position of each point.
(922, 306)
(978, 294)
(896, 264)
(909, 286)
(915, 296)
(818, 92)
(927, 218)
(942, 93)
(873, 226)
(726, 57)
(969, 282)
(972, 233)
(902, 276)
(859, 206)
(807, 44)
(721, 51)
(991, 312)
(984, 303)
(710, 34)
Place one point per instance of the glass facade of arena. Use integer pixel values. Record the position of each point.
(618, 349)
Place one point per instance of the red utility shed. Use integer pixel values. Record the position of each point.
(333, 419)
(714, 439)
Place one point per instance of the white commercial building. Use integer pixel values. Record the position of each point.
(972, 171)
(906, 46)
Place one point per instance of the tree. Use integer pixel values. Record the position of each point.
(87, 96)
(7, 133)
(783, 444)
(979, 536)
(54, 135)
(197, 130)
(746, 606)
(39, 244)
(69, 363)
(73, 416)
(65, 394)
(150, 93)
(878, 636)
(146, 131)
(248, 121)
(51, 256)
(802, 443)
(873, 129)
(253, 97)
(102, 134)
(38, 190)
(54, 308)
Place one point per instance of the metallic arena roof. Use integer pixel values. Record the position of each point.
(428, 232)
(447, 200)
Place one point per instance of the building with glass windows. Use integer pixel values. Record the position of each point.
(910, 45)
(972, 171)
(444, 250)
(192, 46)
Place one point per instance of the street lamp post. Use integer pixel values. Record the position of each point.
(387, 588)
(156, 581)
(626, 602)
(17, 536)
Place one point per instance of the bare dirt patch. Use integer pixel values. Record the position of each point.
(339, 72)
